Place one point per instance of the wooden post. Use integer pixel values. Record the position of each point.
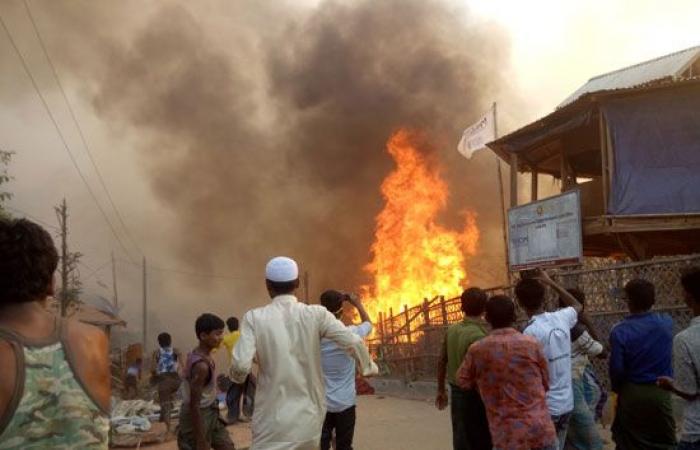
(501, 194)
(611, 158)
(602, 130)
(513, 180)
(563, 171)
(381, 327)
(443, 308)
(533, 190)
(408, 322)
(391, 325)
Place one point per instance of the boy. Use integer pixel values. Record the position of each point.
(165, 367)
(339, 375)
(510, 371)
(200, 424)
(553, 331)
(470, 428)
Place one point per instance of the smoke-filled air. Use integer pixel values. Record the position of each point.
(268, 130)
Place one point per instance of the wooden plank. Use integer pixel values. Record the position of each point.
(611, 159)
(603, 130)
(513, 179)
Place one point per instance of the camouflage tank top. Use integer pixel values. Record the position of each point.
(50, 408)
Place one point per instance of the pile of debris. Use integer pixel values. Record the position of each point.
(135, 422)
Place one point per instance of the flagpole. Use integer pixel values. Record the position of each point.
(502, 198)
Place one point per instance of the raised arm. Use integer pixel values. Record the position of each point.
(357, 303)
(333, 329)
(566, 297)
(244, 351)
(591, 347)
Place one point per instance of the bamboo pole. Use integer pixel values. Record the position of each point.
(443, 308)
(408, 322)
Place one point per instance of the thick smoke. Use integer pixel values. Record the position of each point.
(263, 131)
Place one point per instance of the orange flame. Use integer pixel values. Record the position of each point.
(414, 257)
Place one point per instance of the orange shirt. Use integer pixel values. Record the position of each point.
(510, 371)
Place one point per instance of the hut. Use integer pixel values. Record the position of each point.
(629, 140)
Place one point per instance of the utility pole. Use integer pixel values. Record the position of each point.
(62, 214)
(114, 282)
(145, 303)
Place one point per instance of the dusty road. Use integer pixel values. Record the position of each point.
(383, 423)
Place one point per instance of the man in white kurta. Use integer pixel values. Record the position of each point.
(285, 339)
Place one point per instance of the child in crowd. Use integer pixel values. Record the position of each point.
(166, 366)
(200, 424)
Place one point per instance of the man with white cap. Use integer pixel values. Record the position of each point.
(285, 338)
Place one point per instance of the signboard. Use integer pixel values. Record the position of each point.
(546, 233)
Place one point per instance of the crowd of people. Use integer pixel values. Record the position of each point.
(510, 387)
(535, 385)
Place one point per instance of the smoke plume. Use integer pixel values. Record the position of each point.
(262, 130)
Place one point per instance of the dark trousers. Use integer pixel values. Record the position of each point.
(344, 425)
(233, 401)
(470, 427)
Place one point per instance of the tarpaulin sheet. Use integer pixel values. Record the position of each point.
(656, 142)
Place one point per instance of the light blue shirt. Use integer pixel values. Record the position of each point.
(339, 371)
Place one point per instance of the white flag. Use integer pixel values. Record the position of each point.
(477, 135)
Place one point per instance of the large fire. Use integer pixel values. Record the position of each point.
(414, 257)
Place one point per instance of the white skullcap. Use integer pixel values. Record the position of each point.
(281, 269)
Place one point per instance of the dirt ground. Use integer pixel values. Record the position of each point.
(383, 423)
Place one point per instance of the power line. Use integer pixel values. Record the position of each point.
(78, 127)
(35, 219)
(187, 272)
(63, 140)
(93, 271)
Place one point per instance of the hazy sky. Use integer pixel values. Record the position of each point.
(555, 46)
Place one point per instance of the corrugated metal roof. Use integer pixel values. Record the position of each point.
(669, 66)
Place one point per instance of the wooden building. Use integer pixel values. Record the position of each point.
(630, 141)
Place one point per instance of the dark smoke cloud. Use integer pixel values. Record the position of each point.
(266, 136)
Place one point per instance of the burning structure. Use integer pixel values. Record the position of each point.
(414, 257)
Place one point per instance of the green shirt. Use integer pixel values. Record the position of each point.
(458, 339)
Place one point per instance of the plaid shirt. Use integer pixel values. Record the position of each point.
(510, 371)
